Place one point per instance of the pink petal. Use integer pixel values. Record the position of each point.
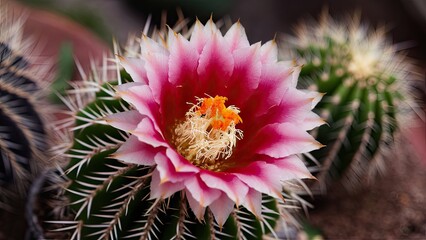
(167, 170)
(200, 192)
(283, 139)
(269, 52)
(165, 189)
(157, 70)
(271, 89)
(246, 74)
(142, 99)
(315, 96)
(126, 121)
(136, 152)
(183, 63)
(262, 177)
(291, 167)
(147, 133)
(149, 46)
(253, 202)
(126, 86)
(226, 182)
(195, 205)
(221, 208)
(136, 68)
(236, 37)
(311, 121)
(215, 66)
(180, 163)
(295, 75)
(201, 34)
(295, 108)
(183, 60)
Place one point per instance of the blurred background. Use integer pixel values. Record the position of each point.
(394, 207)
(108, 19)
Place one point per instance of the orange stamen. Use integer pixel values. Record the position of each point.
(215, 109)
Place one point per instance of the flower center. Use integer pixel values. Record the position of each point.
(208, 134)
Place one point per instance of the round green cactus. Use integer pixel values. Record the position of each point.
(365, 82)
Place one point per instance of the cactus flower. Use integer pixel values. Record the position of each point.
(218, 117)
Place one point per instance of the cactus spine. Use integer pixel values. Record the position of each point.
(366, 84)
(23, 135)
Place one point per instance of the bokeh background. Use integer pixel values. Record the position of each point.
(108, 19)
(394, 207)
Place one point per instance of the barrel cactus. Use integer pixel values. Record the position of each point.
(366, 84)
(23, 135)
(179, 145)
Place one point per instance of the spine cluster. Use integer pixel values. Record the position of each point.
(23, 136)
(367, 95)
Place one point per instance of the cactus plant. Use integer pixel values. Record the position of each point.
(366, 81)
(23, 135)
(125, 184)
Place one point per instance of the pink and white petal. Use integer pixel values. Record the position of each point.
(295, 75)
(198, 190)
(157, 70)
(135, 68)
(141, 98)
(221, 208)
(228, 183)
(198, 39)
(262, 177)
(195, 205)
(297, 107)
(183, 63)
(201, 34)
(210, 29)
(291, 167)
(236, 37)
(149, 46)
(126, 121)
(283, 139)
(271, 89)
(180, 164)
(246, 74)
(311, 121)
(136, 152)
(294, 108)
(215, 66)
(126, 86)
(167, 170)
(183, 60)
(165, 189)
(315, 96)
(269, 52)
(253, 202)
(146, 132)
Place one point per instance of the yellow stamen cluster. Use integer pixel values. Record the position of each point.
(208, 134)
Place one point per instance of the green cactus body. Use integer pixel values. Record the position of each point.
(23, 137)
(365, 84)
(110, 199)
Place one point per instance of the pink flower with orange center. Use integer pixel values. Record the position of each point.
(219, 118)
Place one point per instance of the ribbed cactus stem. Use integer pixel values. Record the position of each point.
(23, 136)
(366, 84)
